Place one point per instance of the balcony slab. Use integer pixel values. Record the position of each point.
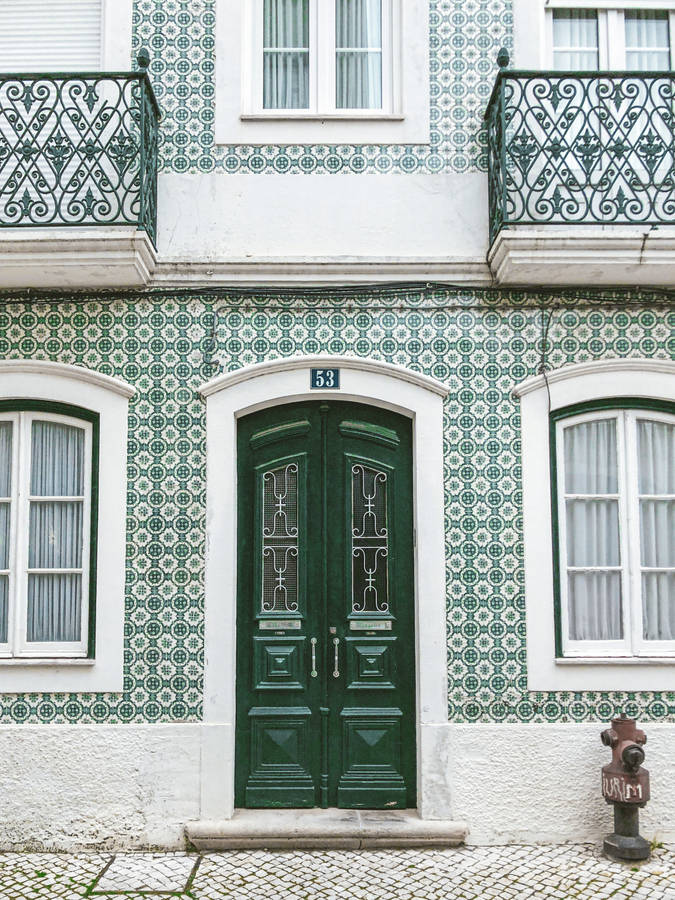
(584, 255)
(76, 257)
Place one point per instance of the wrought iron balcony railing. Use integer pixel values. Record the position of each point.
(78, 149)
(581, 148)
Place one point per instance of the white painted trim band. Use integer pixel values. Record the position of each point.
(593, 367)
(235, 394)
(64, 370)
(274, 366)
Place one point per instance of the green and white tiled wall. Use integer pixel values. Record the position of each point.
(464, 38)
(480, 343)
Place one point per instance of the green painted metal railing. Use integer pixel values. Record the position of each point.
(78, 149)
(581, 148)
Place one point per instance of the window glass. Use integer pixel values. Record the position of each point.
(5, 508)
(358, 54)
(592, 531)
(656, 475)
(55, 538)
(647, 40)
(286, 54)
(575, 40)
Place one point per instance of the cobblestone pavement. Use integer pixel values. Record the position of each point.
(577, 872)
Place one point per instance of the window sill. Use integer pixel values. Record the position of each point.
(286, 116)
(45, 661)
(615, 660)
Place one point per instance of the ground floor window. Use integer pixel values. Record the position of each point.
(615, 498)
(47, 485)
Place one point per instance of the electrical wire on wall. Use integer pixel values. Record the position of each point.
(546, 316)
(366, 296)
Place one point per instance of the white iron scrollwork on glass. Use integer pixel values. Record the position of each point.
(280, 539)
(370, 593)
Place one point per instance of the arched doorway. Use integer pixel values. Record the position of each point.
(325, 622)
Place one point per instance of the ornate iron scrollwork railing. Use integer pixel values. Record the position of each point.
(581, 148)
(78, 149)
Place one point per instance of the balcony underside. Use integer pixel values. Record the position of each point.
(76, 257)
(584, 255)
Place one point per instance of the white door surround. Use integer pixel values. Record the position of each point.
(251, 388)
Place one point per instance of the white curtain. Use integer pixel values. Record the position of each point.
(286, 54)
(358, 58)
(55, 532)
(656, 475)
(647, 40)
(575, 40)
(5, 491)
(592, 531)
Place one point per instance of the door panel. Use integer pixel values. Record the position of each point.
(325, 628)
(281, 758)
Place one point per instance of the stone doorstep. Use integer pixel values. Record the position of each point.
(331, 829)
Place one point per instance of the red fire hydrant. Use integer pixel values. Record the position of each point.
(625, 784)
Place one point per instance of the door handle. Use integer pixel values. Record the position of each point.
(313, 673)
(336, 645)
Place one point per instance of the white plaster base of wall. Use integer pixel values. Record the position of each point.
(541, 783)
(66, 787)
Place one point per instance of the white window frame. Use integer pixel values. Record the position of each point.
(611, 30)
(580, 383)
(21, 498)
(534, 33)
(402, 119)
(322, 67)
(108, 397)
(630, 567)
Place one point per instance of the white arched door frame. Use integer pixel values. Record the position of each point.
(235, 394)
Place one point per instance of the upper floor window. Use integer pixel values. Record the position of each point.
(602, 37)
(322, 57)
(59, 35)
(65, 35)
(46, 519)
(615, 497)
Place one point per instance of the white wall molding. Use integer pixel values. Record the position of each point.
(602, 379)
(65, 370)
(26, 379)
(323, 271)
(599, 367)
(235, 394)
(325, 360)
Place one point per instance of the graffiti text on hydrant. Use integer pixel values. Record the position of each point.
(619, 789)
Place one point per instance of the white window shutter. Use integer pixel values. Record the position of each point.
(50, 35)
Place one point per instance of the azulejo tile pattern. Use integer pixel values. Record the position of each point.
(480, 343)
(465, 36)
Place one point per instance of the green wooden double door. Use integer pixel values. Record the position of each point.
(325, 621)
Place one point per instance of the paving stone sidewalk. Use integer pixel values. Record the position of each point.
(577, 872)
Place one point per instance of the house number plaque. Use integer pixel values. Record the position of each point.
(324, 379)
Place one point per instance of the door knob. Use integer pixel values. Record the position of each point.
(336, 645)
